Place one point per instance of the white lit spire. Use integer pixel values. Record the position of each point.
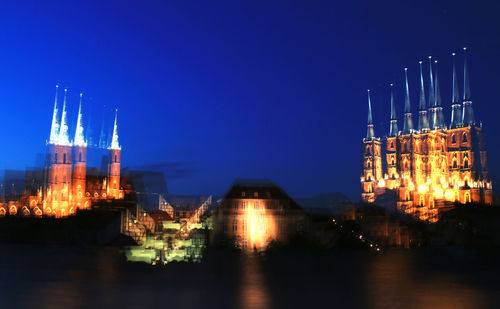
(114, 142)
(54, 129)
(63, 138)
(79, 136)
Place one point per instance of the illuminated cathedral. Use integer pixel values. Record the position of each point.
(429, 168)
(66, 186)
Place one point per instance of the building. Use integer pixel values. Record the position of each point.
(65, 184)
(255, 212)
(432, 166)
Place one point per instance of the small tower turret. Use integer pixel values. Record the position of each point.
(54, 129)
(393, 131)
(468, 112)
(423, 120)
(63, 130)
(408, 123)
(432, 110)
(79, 135)
(370, 133)
(438, 106)
(456, 107)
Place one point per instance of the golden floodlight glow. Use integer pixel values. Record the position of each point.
(261, 226)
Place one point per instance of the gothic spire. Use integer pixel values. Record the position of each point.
(456, 109)
(79, 136)
(438, 107)
(431, 95)
(408, 123)
(466, 79)
(54, 129)
(468, 112)
(423, 121)
(393, 131)
(63, 130)
(114, 141)
(370, 133)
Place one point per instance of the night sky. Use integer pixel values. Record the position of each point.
(209, 91)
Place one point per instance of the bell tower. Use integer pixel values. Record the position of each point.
(79, 164)
(113, 183)
(371, 160)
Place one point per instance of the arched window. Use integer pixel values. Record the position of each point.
(392, 162)
(453, 139)
(454, 164)
(407, 195)
(55, 158)
(464, 138)
(466, 163)
(369, 165)
(64, 159)
(368, 150)
(80, 157)
(467, 197)
(392, 144)
(115, 158)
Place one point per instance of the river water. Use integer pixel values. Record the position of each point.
(53, 276)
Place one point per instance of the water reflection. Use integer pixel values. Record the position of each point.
(100, 278)
(394, 281)
(254, 292)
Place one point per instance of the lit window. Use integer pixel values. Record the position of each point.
(256, 194)
(235, 225)
(243, 205)
(256, 205)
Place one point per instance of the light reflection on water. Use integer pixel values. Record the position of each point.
(64, 278)
(254, 292)
(393, 281)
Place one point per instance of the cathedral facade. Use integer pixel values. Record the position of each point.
(429, 168)
(65, 185)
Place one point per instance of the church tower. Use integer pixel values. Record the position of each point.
(391, 145)
(372, 160)
(79, 164)
(113, 183)
(59, 165)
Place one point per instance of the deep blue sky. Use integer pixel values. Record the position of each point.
(210, 91)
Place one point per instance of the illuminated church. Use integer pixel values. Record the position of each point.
(66, 186)
(430, 167)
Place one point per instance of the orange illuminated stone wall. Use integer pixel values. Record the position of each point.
(431, 171)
